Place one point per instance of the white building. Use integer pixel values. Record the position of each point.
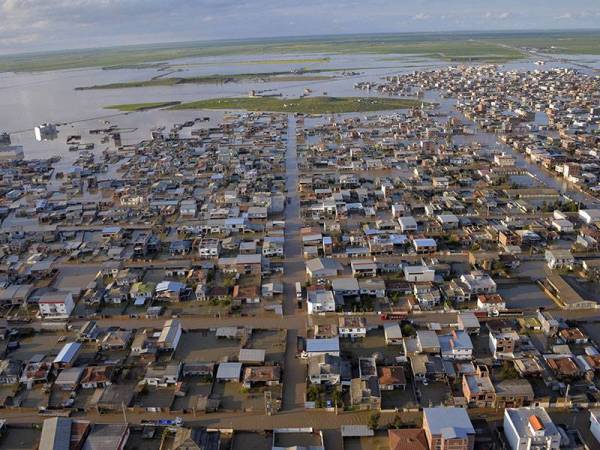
(589, 215)
(490, 302)
(188, 208)
(457, 345)
(424, 245)
(419, 274)
(407, 224)
(320, 301)
(448, 221)
(595, 423)
(170, 335)
(504, 160)
(563, 225)
(559, 257)
(56, 305)
(479, 283)
(209, 248)
(392, 333)
(352, 327)
(45, 131)
(315, 347)
(530, 428)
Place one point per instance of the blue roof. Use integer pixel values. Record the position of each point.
(323, 345)
(426, 242)
(170, 286)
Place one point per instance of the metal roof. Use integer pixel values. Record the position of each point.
(229, 371)
(56, 434)
(450, 423)
(323, 345)
(68, 353)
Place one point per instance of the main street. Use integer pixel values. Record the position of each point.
(294, 371)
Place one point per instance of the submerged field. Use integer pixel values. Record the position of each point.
(450, 46)
(306, 105)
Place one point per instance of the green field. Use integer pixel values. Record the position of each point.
(306, 105)
(259, 62)
(254, 62)
(209, 79)
(451, 46)
(133, 107)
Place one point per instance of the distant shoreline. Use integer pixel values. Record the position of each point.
(507, 45)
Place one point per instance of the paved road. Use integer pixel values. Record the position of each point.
(294, 375)
(246, 421)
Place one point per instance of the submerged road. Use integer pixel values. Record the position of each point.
(294, 374)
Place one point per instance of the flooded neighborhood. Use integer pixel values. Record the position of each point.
(423, 274)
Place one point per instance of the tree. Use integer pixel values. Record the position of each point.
(312, 393)
(408, 330)
(337, 398)
(397, 422)
(508, 371)
(373, 422)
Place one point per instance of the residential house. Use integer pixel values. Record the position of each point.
(448, 428)
(528, 428)
(392, 333)
(503, 343)
(170, 335)
(559, 258)
(391, 377)
(324, 369)
(164, 375)
(352, 327)
(56, 305)
(320, 301)
(419, 274)
(457, 345)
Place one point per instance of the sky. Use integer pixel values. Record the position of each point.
(37, 25)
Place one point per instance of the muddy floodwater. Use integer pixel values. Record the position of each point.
(28, 99)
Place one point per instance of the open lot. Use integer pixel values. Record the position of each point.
(373, 343)
(524, 296)
(379, 442)
(398, 398)
(203, 345)
(235, 398)
(20, 438)
(245, 440)
(434, 394)
(75, 278)
(40, 343)
(156, 399)
(32, 398)
(272, 341)
(193, 389)
(138, 441)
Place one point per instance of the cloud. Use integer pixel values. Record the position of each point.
(93, 23)
(422, 16)
(499, 15)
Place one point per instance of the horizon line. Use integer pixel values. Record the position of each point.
(251, 40)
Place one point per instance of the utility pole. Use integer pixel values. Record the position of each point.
(124, 413)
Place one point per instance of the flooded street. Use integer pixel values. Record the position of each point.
(489, 141)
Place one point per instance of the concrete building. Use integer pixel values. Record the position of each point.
(530, 428)
(448, 428)
(56, 305)
(170, 335)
